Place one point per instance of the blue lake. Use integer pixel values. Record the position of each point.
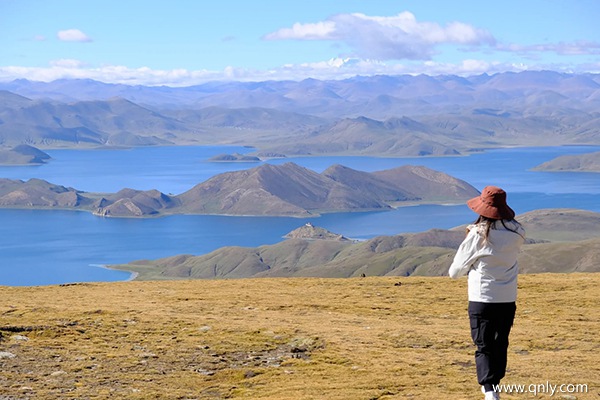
(51, 247)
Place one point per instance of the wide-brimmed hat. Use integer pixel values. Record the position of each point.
(491, 203)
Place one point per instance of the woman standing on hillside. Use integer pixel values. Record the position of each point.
(488, 255)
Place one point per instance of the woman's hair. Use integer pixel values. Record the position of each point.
(490, 223)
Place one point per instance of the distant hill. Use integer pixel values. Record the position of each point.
(589, 162)
(113, 122)
(287, 189)
(290, 189)
(134, 203)
(426, 253)
(561, 225)
(36, 193)
(365, 136)
(22, 155)
(234, 158)
(380, 97)
(311, 232)
(377, 116)
(300, 257)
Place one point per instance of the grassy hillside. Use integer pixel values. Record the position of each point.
(292, 338)
(559, 240)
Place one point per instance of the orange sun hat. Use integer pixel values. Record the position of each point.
(491, 203)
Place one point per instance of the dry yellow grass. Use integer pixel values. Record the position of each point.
(288, 338)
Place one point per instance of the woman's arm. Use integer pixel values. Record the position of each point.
(468, 252)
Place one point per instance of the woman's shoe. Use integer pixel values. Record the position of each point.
(490, 395)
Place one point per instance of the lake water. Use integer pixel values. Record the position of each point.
(50, 247)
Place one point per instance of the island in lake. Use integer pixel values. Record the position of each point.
(275, 190)
(589, 162)
(235, 157)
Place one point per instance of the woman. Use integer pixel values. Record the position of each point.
(488, 255)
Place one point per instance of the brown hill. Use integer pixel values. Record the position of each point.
(425, 183)
(112, 122)
(366, 182)
(265, 190)
(134, 203)
(426, 253)
(235, 157)
(580, 256)
(311, 232)
(287, 189)
(561, 224)
(22, 155)
(39, 193)
(589, 162)
(366, 136)
(400, 255)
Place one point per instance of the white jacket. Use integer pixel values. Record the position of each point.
(491, 264)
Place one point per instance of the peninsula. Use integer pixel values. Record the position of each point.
(22, 154)
(589, 162)
(559, 240)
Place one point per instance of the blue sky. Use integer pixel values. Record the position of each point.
(185, 42)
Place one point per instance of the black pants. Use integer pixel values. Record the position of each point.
(490, 327)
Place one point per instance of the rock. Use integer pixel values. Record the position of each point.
(20, 338)
(205, 372)
(250, 374)
(311, 232)
(6, 354)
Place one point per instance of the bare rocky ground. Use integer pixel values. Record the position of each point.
(287, 338)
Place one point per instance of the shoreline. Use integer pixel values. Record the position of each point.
(132, 274)
(309, 214)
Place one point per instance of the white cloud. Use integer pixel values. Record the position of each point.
(334, 69)
(73, 35)
(67, 63)
(74, 69)
(318, 31)
(387, 38)
(402, 37)
(561, 48)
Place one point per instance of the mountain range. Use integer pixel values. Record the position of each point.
(278, 190)
(378, 115)
(559, 240)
